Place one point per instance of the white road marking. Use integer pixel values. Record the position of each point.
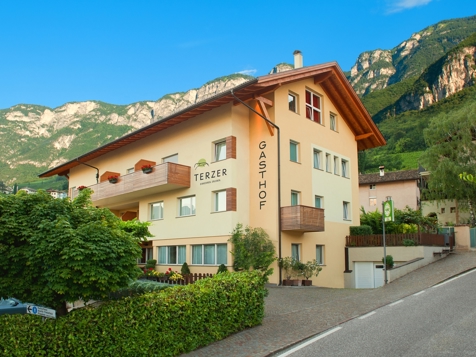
(295, 349)
(367, 315)
(456, 277)
(395, 303)
(421, 292)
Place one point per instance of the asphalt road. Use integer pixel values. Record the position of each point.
(438, 321)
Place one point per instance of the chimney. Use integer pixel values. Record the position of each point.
(382, 172)
(297, 59)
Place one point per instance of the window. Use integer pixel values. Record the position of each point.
(292, 102)
(157, 210)
(373, 187)
(130, 170)
(333, 122)
(443, 210)
(336, 165)
(219, 201)
(146, 255)
(294, 198)
(328, 162)
(346, 207)
(172, 158)
(295, 251)
(345, 168)
(318, 201)
(172, 254)
(293, 151)
(187, 206)
(317, 159)
(320, 254)
(209, 254)
(220, 150)
(372, 201)
(452, 209)
(313, 107)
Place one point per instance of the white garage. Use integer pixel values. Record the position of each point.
(368, 275)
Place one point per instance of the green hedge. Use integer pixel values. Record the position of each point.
(165, 323)
(362, 230)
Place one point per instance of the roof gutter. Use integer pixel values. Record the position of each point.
(279, 174)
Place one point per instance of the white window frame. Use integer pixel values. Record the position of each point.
(130, 170)
(333, 121)
(171, 158)
(220, 150)
(310, 108)
(193, 207)
(295, 101)
(296, 144)
(346, 210)
(328, 163)
(298, 250)
(167, 254)
(160, 204)
(215, 254)
(219, 201)
(317, 159)
(149, 254)
(320, 254)
(297, 195)
(336, 165)
(321, 200)
(372, 200)
(345, 168)
(373, 186)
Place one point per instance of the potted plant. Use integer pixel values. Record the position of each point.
(297, 268)
(286, 264)
(389, 262)
(309, 269)
(147, 168)
(113, 178)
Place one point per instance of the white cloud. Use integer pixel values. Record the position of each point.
(248, 72)
(401, 5)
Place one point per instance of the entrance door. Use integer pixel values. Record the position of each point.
(364, 275)
(379, 277)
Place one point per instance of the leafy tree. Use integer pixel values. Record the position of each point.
(451, 151)
(54, 251)
(252, 248)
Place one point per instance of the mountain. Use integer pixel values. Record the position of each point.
(378, 69)
(36, 138)
(402, 89)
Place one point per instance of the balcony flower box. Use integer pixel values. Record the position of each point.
(113, 179)
(147, 169)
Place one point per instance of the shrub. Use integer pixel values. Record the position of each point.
(222, 269)
(389, 261)
(138, 287)
(185, 269)
(164, 323)
(361, 230)
(286, 264)
(408, 242)
(310, 268)
(150, 264)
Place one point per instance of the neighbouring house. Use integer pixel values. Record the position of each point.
(57, 194)
(27, 190)
(277, 152)
(402, 186)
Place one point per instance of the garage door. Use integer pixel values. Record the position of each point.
(368, 275)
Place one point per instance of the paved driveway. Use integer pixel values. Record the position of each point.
(296, 313)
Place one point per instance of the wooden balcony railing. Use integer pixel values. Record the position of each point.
(164, 177)
(302, 219)
(375, 240)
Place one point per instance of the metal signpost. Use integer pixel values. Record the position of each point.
(41, 311)
(387, 216)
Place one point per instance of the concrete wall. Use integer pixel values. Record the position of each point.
(462, 238)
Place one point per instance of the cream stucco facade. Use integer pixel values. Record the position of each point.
(191, 223)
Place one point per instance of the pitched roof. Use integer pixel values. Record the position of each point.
(328, 75)
(389, 177)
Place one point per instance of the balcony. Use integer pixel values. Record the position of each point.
(164, 177)
(302, 219)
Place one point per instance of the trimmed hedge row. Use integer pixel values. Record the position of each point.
(362, 230)
(165, 323)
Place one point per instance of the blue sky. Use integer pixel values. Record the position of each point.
(120, 52)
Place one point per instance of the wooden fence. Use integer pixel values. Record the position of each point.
(187, 279)
(393, 240)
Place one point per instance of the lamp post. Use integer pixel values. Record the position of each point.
(387, 216)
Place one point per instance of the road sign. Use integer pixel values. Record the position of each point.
(41, 311)
(388, 214)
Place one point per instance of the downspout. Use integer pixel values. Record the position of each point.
(279, 174)
(97, 170)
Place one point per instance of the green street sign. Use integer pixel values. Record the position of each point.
(388, 215)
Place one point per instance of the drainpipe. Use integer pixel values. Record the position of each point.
(279, 174)
(97, 170)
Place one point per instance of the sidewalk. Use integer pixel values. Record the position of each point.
(296, 313)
